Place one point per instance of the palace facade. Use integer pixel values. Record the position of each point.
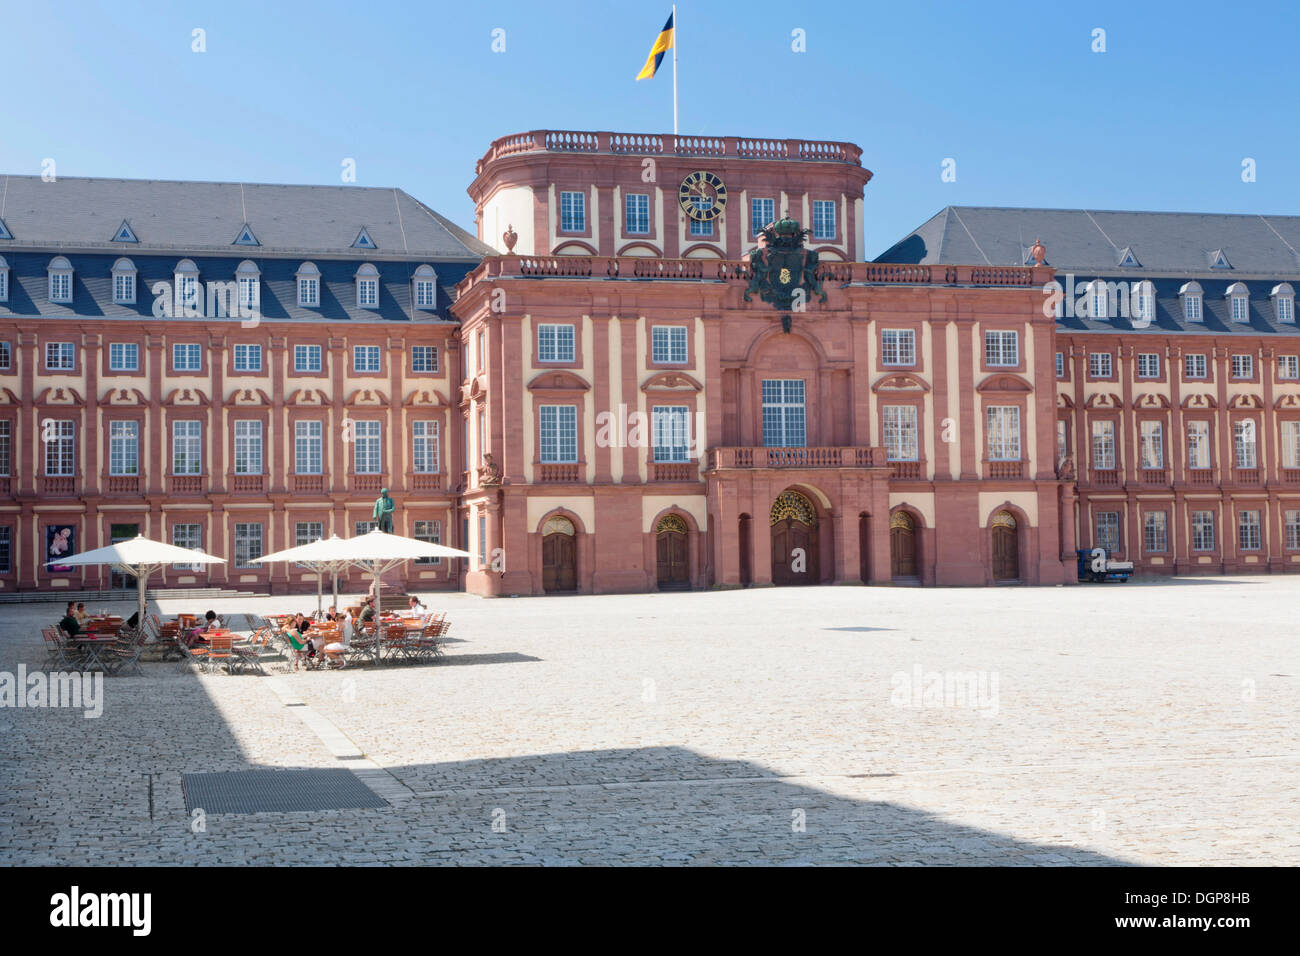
(593, 394)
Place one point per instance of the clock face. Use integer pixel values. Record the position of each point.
(702, 196)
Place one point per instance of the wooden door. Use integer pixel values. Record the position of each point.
(902, 546)
(673, 565)
(559, 563)
(746, 545)
(864, 548)
(1006, 548)
(794, 553)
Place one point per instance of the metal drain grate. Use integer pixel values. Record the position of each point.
(277, 791)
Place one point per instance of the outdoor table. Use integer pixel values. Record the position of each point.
(93, 646)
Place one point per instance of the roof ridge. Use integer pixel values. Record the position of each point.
(978, 248)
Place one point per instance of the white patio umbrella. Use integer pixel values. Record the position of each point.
(319, 556)
(374, 553)
(139, 557)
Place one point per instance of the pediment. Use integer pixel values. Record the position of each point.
(559, 380)
(1289, 402)
(190, 397)
(1005, 383)
(424, 398)
(7, 397)
(61, 395)
(1064, 401)
(900, 382)
(366, 397)
(1246, 401)
(675, 381)
(1104, 400)
(249, 398)
(1200, 400)
(313, 397)
(125, 396)
(1151, 400)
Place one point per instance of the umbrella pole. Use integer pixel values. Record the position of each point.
(379, 605)
(139, 585)
(320, 573)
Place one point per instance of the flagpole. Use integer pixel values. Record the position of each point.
(674, 68)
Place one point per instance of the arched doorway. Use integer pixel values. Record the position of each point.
(672, 554)
(902, 545)
(1006, 547)
(794, 540)
(864, 547)
(746, 545)
(559, 555)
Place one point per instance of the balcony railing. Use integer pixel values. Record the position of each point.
(308, 484)
(1105, 477)
(559, 473)
(1154, 476)
(665, 144)
(4, 485)
(367, 482)
(58, 485)
(833, 456)
(187, 484)
(1200, 476)
(247, 484)
(123, 485)
(674, 471)
(1006, 469)
(1246, 476)
(425, 481)
(1291, 476)
(907, 470)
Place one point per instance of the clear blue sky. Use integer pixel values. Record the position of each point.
(1011, 91)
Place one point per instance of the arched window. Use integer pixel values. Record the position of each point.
(1191, 294)
(124, 273)
(188, 299)
(1143, 306)
(1238, 297)
(367, 287)
(1098, 300)
(558, 525)
(4, 280)
(308, 277)
(60, 280)
(249, 277)
(1283, 302)
(426, 288)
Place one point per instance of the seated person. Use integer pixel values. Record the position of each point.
(417, 607)
(209, 624)
(81, 613)
(335, 650)
(368, 611)
(70, 624)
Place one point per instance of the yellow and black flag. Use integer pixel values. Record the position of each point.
(663, 43)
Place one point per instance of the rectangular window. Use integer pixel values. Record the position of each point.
(823, 211)
(306, 358)
(1202, 530)
(783, 413)
(671, 432)
(555, 343)
(424, 358)
(123, 357)
(187, 448)
(480, 341)
(482, 436)
(250, 292)
(124, 448)
(6, 541)
(60, 287)
(60, 356)
(429, 532)
(4, 285)
(1248, 536)
(308, 292)
(1152, 444)
(366, 455)
(1062, 440)
(559, 428)
(1155, 532)
(1285, 309)
(124, 288)
(901, 433)
(1244, 443)
(425, 457)
(1198, 444)
(60, 450)
(6, 355)
(1108, 531)
(187, 536)
(1292, 523)
(1100, 365)
(187, 357)
(1060, 365)
(426, 294)
(307, 448)
(668, 344)
(762, 212)
(1148, 365)
(1002, 425)
(898, 347)
(636, 212)
(1243, 366)
(482, 541)
(1192, 308)
(701, 227)
(1103, 445)
(1194, 366)
(248, 544)
(307, 532)
(364, 527)
(1001, 348)
(190, 300)
(368, 293)
(248, 448)
(6, 446)
(1288, 366)
(573, 212)
(365, 358)
(248, 358)
(1291, 444)
(1240, 308)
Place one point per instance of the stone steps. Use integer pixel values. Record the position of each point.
(120, 594)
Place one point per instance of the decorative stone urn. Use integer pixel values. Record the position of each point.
(510, 237)
(1039, 252)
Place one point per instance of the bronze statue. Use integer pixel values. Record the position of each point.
(383, 513)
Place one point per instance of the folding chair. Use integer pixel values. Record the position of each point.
(58, 654)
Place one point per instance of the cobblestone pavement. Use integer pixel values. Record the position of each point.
(1140, 723)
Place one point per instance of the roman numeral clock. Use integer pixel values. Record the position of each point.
(702, 196)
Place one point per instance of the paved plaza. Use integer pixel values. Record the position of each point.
(1149, 723)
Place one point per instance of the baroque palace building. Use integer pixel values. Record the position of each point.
(604, 392)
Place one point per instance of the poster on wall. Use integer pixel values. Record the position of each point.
(60, 542)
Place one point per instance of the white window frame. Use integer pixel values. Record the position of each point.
(1243, 365)
(248, 537)
(1290, 431)
(424, 358)
(190, 537)
(1151, 445)
(124, 449)
(187, 447)
(367, 282)
(636, 214)
(558, 433)
(997, 354)
(573, 211)
(308, 447)
(117, 352)
(187, 349)
(1103, 457)
(1152, 361)
(898, 347)
(1250, 533)
(61, 449)
(358, 351)
(552, 339)
(1245, 443)
(1098, 360)
(426, 448)
(785, 412)
(1240, 308)
(248, 447)
(1198, 445)
(307, 282)
(1155, 532)
(65, 352)
(308, 351)
(124, 274)
(1196, 366)
(670, 428)
(761, 219)
(824, 220)
(425, 291)
(247, 350)
(669, 345)
(1202, 531)
(1288, 367)
(59, 285)
(1108, 531)
(901, 432)
(1002, 431)
(367, 447)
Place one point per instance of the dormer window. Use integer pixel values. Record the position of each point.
(1191, 294)
(1239, 298)
(367, 287)
(308, 277)
(124, 273)
(249, 277)
(1219, 260)
(60, 276)
(426, 288)
(4, 280)
(1144, 301)
(1283, 297)
(188, 299)
(1098, 304)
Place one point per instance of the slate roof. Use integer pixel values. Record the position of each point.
(1170, 249)
(85, 213)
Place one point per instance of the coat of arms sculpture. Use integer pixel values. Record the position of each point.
(784, 273)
